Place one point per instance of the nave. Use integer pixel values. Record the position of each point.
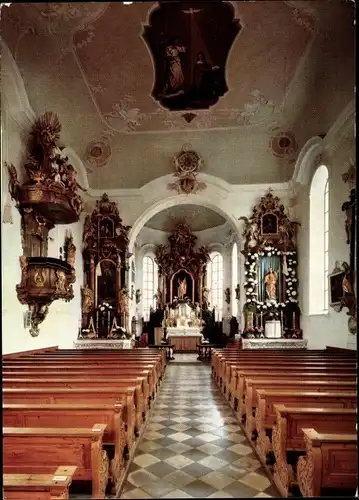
(193, 446)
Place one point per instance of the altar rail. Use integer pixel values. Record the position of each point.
(274, 343)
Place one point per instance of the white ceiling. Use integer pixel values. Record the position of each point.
(290, 72)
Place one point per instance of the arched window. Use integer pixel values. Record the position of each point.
(319, 242)
(149, 286)
(215, 283)
(234, 279)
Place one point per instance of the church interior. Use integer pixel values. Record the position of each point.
(179, 311)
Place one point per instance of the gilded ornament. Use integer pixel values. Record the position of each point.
(39, 278)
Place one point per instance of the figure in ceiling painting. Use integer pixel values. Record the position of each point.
(190, 42)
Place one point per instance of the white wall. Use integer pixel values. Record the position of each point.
(331, 328)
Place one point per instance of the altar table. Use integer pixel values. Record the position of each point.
(187, 343)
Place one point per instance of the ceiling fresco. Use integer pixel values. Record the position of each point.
(247, 99)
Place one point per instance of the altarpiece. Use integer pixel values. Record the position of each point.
(105, 298)
(181, 278)
(271, 280)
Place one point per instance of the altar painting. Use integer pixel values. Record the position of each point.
(106, 282)
(182, 286)
(270, 278)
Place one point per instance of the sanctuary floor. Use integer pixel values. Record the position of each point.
(193, 446)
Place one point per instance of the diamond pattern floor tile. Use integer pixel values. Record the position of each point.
(193, 446)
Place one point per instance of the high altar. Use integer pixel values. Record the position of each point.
(181, 285)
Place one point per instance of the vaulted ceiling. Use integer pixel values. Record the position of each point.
(197, 217)
(289, 73)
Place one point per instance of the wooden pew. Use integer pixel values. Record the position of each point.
(33, 370)
(252, 385)
(219, 358)
(76, 415)
(265, 413)
(151, 354)
(38, 451)
(287, 435)
(237, 401)
(90, 382)
(285, 362)
(331, 461)
(85, 396)
(14, 355)
(124, 360)
(224, 362)
(281, 371)
(39, 486)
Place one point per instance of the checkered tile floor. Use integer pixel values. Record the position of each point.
(193, 446)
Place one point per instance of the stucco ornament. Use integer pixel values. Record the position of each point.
(187, 164)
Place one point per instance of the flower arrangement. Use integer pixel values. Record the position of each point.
(251, 284)
(104, 307)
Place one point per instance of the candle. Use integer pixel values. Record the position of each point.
(293, 320)
(96, 321)
(262, 319)
(108, 321)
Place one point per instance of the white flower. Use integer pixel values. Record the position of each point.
(294, 292)
(294, 261)
(264, 306)
(283, 304)
(250, 289)
(250, 279)
(269, 254)
(248, 300)
(246, 272)
(294, 279)
(247, 263)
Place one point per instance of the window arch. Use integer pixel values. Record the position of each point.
(215, 283)
(149, 285)
(234, 279)
(319, 242)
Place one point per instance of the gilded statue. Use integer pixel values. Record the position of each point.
(39, 278)
(14, 185)
(270, 281)
(60, 282)
(205, 295)
(123, 301)
(88, 300)
(70, 250)
(182, 288)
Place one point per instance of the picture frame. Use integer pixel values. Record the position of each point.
(336, 293)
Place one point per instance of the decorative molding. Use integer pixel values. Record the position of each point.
(341, 128)
(305, 161)
(177, 200)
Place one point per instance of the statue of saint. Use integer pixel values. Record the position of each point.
(87, 299)
(270, 280)
(182, 288)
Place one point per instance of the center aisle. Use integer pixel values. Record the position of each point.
(193, 445)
